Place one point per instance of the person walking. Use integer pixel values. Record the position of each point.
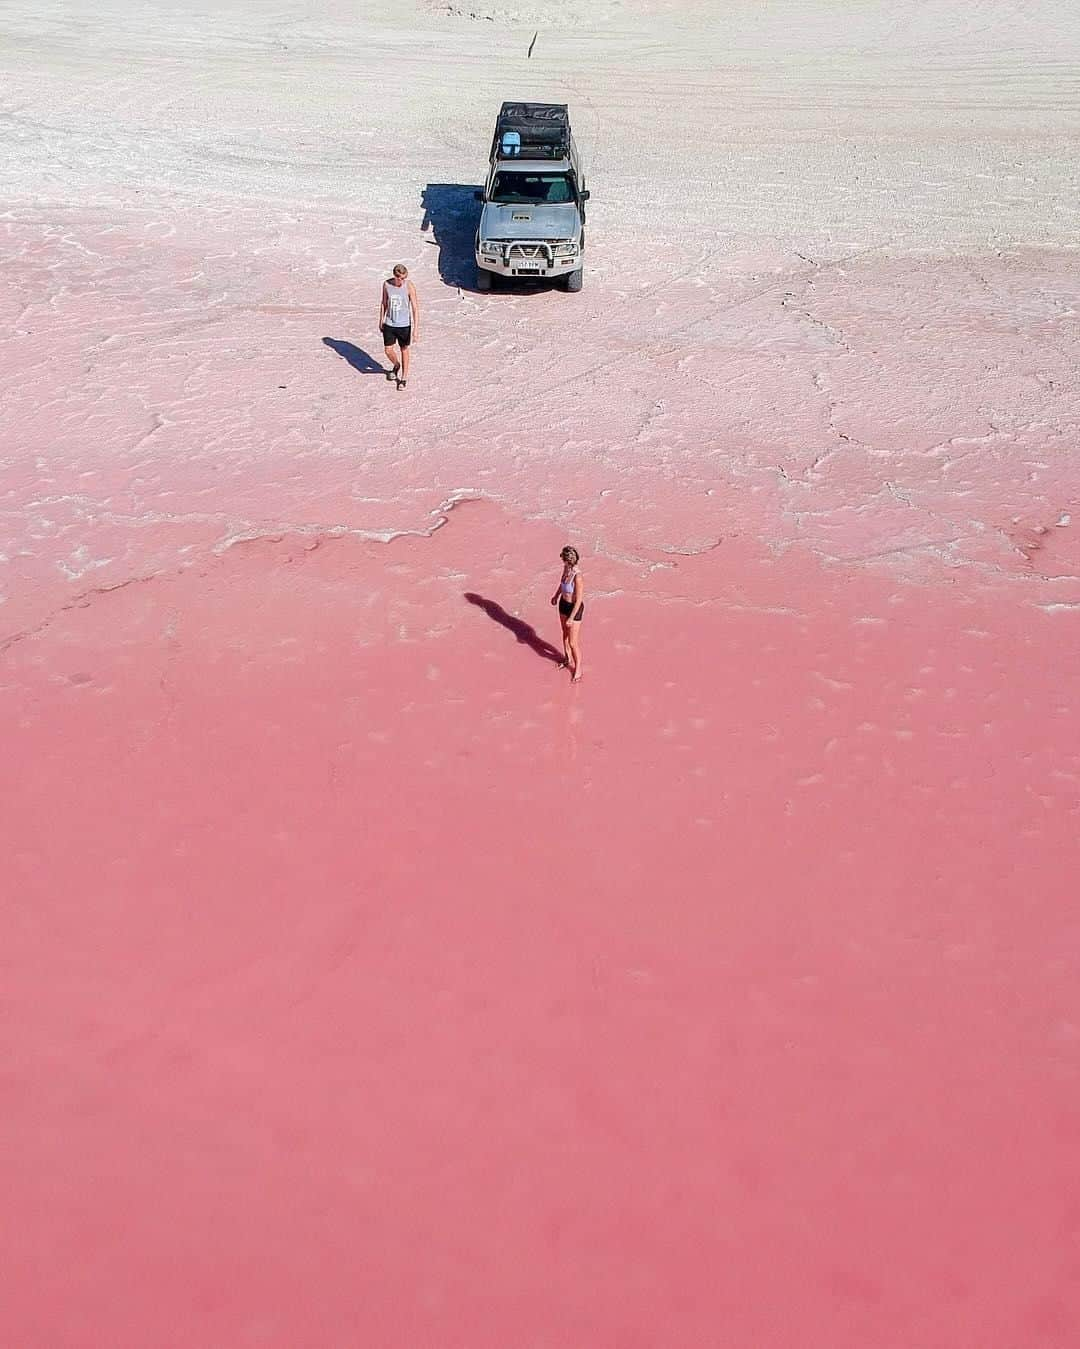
(570, 597)
(399, 319)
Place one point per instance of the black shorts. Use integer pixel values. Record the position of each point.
(566, 607)
(401, 336)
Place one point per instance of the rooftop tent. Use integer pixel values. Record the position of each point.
(532, 131)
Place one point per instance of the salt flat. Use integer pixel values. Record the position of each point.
(367, 983)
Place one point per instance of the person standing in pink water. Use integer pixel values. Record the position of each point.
(399, 319)
(570, 597)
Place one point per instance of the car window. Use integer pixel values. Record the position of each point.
(547, 189)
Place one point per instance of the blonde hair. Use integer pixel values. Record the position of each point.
(400, 269)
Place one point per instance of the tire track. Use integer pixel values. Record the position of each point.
(664, 348)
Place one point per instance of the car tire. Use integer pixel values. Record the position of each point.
(572, 281)
(483, 280)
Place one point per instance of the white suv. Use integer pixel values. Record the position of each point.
(533, 218)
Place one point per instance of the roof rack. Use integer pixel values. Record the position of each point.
(531, 131)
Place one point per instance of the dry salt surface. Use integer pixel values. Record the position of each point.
(364, 983)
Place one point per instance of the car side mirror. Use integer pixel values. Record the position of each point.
(585, 195)
(478, 195)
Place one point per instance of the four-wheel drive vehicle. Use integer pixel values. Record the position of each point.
(533, 219)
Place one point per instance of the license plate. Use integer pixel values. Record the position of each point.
(528, 266)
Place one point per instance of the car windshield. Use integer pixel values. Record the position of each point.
(544, 189)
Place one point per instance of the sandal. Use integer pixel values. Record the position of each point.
(392, 372)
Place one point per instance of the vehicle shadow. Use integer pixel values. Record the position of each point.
(356, 356)
(451, 213)
(526, 635)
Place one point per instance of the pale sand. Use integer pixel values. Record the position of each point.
(366, 984)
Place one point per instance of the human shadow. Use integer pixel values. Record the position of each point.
(525, 634)
(357, 358)
(451, 214)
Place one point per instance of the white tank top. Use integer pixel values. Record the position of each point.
(397, 305)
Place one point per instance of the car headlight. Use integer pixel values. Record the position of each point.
(565, 249)
(490, 250)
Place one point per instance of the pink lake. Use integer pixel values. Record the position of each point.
(365, 984)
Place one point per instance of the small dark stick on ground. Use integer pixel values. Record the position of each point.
(532, 44)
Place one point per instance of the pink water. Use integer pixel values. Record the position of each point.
(367, 984)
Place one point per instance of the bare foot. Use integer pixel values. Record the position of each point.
(575, 677)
